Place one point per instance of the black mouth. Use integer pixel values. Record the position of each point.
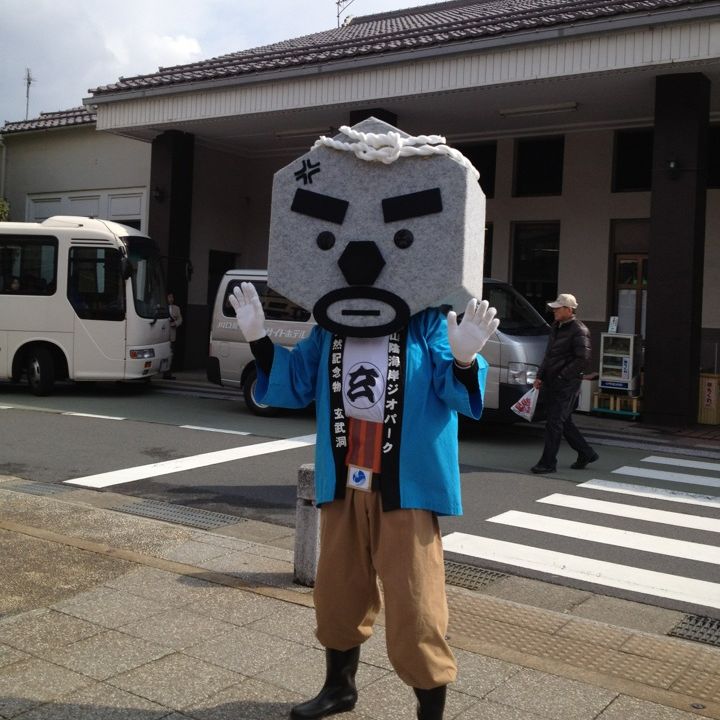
(397, 304)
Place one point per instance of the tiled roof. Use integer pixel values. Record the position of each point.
(439, 24)
(51, 120)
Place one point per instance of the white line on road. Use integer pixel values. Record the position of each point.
(142, 472)
(695, 464)
(217, 430)
(90, 415)
(599, 572)
(696, 522)
(685, 478)
(667, 494)
(611, 536)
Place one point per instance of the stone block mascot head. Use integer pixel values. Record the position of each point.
(372, 230)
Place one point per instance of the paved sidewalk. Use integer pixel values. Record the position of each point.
(107, 615)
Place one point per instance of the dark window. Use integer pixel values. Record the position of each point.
(482, 156)
(539, 166)
(28, 266)
(487, 253)
(275, 305)
(535, 262)
(632, 160)
(714, 156)
(95, 283)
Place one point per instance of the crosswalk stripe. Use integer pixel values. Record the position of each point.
(695, 522)
(116, 477)
(610, 536)
(216, 430)
(598, 572)
(653, 474)
(92, 415)
(667, 494)
(695, 464)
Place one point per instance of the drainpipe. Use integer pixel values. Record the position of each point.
(3, 155)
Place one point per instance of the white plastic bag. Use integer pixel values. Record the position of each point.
(525, 406)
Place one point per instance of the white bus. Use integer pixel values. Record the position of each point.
(80, 299)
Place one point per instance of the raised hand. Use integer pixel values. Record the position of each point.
(249, 311)
(469, 337)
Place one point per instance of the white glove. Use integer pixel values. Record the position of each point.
(249, 311)
(470, 336)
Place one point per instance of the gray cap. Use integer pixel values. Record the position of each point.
(564, 300)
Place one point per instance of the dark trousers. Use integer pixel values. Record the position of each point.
(560, 400)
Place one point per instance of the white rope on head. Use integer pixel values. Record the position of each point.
(389, 147)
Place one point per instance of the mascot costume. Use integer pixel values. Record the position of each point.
(372, 230)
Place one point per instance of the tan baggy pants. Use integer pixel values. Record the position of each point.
(359, 543)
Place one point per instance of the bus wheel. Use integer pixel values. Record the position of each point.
(249, 393)
(40, 371)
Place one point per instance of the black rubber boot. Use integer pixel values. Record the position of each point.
(338, 694)
(431, 703)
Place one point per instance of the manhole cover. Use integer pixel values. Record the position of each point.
(699, 628)
(469, 576)
(180, 514)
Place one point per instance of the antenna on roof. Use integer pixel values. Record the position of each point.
(29, 79)
(341, 5)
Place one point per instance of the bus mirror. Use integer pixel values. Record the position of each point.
(126, 268)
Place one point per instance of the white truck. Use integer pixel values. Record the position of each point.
(514, 353)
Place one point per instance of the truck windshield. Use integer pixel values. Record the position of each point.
(148, 281)
(517, 315)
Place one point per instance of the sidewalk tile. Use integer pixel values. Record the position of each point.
(374, 650)
(162, 586)
(193, 552)
(111, 608)
(9, 655)
(33, 682)
(305, 673)
(479, 675)
(655, 673)
(235, 606)
(177, 628)
(99, 702)
(36, 632)
(246, 651)
(106, 654)
(629, 614)
(175, 681)
(552, 696)
(292, 622)
(254, 569)
(486, 710)
(628, 708)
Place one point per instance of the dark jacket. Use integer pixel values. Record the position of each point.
(568, 353)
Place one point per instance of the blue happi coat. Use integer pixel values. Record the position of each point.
(428, 474)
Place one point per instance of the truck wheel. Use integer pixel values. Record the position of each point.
(249, 393)
(40, 371)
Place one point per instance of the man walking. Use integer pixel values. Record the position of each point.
(175, 322)
(558, 379)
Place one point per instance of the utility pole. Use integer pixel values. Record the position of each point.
(341, 5)
(29, 79)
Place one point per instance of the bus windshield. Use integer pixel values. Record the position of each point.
(148, 281)
(517, 315)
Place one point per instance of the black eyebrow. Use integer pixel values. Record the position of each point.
(402, 207)
(317, 205)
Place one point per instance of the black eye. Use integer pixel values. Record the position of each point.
(403, 239)
(325, 240)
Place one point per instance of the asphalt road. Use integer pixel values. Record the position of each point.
(211, 453)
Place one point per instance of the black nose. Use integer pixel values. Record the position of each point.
(361, 262)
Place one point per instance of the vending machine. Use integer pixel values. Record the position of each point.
(620, 361)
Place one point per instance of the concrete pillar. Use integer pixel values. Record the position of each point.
(171, 181)
(677, 246)
(307, 528)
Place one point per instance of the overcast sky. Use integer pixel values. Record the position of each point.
(73, 45)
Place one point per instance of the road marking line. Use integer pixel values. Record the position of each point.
(611, 536)
(117, 477)
(696, 522)
(91, 415)
(696, 464)
(668, 476)
(677, 496)
(217, 430)
(598, 572)
(6, 407)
